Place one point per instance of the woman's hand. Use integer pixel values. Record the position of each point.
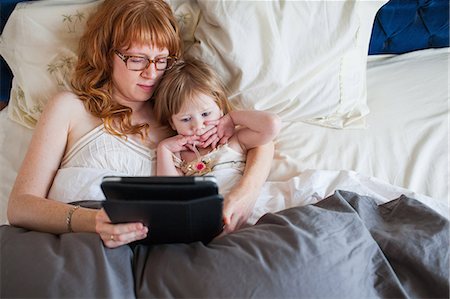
(115, 235)
(239, 203)
(237, 208)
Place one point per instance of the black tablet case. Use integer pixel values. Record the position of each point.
(175, 209)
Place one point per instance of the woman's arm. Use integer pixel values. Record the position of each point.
(256, 128)
(239, 203)
(259, 127)
(29, 206)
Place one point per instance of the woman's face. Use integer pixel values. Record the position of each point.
(193, 114)
(135, 86)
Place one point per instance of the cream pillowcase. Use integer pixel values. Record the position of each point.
(304, 60)
(40, 41)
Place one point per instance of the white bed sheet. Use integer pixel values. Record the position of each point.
(14, 140)
(404, 146)
(406, 139)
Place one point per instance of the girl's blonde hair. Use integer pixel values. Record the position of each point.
(185, 81)
(118, 24)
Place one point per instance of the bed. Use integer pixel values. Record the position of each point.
(364, 141)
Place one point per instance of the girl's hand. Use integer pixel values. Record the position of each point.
(115, 235)
(225, 128)
(208, 138)
(179, 143)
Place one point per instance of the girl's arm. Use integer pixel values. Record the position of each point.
(168, 147)
(239, 203)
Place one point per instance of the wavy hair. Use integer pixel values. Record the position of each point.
(184, 82)
(119, 24)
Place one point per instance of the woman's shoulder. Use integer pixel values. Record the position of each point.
(67, 110)
(67, 107)
(67, 104)
(63, 104)
(66, 99)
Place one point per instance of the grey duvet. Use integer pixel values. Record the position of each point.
(345, 246)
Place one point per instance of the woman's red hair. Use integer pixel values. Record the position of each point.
(119, 24)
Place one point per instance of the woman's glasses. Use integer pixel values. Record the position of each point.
(140, 63)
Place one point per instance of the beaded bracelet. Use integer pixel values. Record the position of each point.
(69, 218)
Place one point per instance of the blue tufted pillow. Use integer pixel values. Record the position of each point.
(407, 25)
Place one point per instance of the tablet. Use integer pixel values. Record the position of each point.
(175, 209)
(159, 187)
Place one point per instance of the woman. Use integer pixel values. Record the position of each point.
(106, 126)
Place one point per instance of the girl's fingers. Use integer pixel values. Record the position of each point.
(207, 142)
(208, 134)
(215, 141)
(212, 122)
(212, 141)
(192, 138)
(224, 140)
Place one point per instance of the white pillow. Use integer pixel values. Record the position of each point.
(40, 41)
(304, 60)
(39, 44)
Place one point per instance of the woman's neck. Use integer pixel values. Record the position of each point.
(142, 113)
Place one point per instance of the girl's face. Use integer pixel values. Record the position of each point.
(135, 86)
(190, 120)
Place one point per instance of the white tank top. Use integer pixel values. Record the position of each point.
(95, 155)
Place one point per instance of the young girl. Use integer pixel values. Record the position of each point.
(192, 100)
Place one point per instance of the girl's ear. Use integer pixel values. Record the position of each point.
(171, 124)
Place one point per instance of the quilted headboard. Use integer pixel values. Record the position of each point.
(402, 26)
